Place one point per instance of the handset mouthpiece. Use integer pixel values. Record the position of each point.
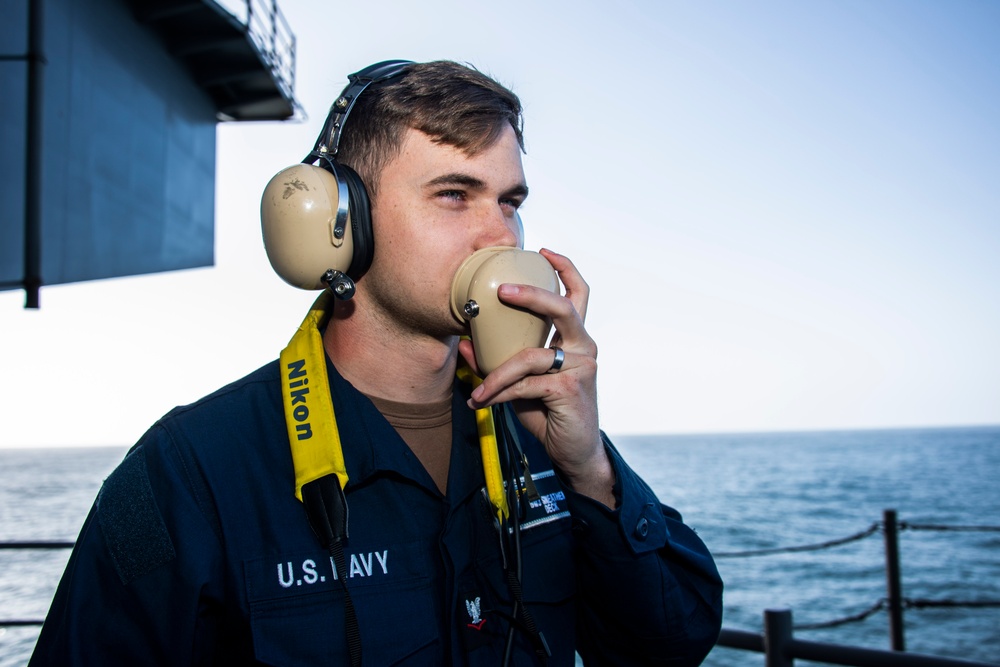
(500, 331)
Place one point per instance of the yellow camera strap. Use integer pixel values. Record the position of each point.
(312, 425)
(488, 449)
(305, 390)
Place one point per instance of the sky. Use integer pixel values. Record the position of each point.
(788, 213)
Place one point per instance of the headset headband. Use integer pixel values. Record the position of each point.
(328, 142)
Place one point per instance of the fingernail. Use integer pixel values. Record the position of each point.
(507, 289)
(478, 392)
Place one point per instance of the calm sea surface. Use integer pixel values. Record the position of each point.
(740, 492)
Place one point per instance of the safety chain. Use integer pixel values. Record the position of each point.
(871, 530)
(907, 603)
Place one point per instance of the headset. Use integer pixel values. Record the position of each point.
(315, 216)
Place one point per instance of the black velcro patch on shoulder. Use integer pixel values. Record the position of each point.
(131, 522)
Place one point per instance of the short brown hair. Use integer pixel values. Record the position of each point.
(455, 104)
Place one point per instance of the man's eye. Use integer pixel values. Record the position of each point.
(512, 203)
(456, 195)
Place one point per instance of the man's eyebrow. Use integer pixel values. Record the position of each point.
(457, 179)
(473, 183)
(519, 190)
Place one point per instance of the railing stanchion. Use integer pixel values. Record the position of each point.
(778, 638)
(893, 583)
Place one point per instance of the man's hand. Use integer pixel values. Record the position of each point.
(560, 407)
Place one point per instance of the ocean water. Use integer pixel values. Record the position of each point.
(740, 492)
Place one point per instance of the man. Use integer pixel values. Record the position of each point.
(199, 549)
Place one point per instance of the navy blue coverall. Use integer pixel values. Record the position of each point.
(197, 552)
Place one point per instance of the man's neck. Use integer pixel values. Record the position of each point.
(379, 360)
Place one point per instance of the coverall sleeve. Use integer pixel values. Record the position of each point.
(649, 589)
(138, 586)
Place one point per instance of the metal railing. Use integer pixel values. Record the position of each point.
(894, 602)
(269, 30)
(270, 33)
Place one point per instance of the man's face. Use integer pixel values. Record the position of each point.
(436, 206)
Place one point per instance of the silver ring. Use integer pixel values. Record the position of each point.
(557, 361)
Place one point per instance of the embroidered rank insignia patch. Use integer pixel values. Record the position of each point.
(474, 609)
(476, 624)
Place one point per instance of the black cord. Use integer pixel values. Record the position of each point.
(516, 468)
(513, 550)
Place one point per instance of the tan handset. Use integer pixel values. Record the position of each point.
(498, 330)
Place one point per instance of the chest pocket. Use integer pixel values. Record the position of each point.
(297, 608)
(547, 544)
(548, 582)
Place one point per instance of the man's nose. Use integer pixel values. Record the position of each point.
(501, 228)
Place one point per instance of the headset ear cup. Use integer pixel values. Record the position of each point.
(298, 214)
(361, 222)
